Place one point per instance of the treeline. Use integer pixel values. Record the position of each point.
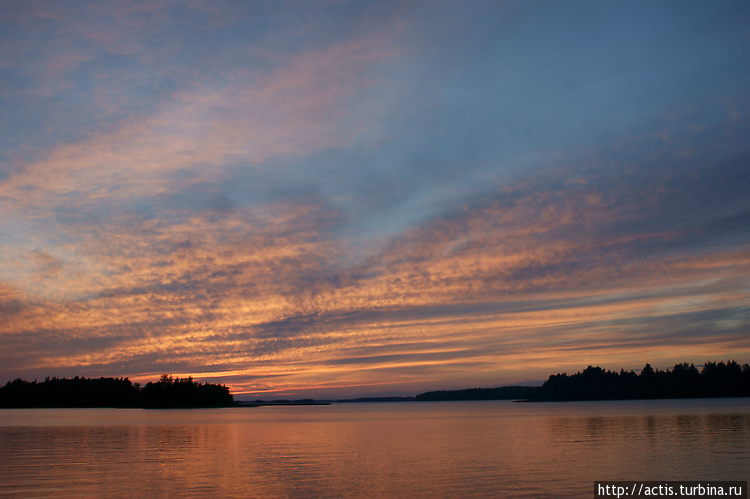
(501, 393)
(168, 392)
(715, 379)
(684, 381)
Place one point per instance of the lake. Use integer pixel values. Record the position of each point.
(413, 449)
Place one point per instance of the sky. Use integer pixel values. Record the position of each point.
(337, 199)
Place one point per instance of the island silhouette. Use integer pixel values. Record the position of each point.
(166, 393)
(715, 379)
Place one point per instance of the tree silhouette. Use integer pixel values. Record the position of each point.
(113, 392)
(684, 381)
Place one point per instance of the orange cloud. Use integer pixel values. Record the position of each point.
(261, 300)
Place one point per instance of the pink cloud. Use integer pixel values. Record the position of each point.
(262, 296)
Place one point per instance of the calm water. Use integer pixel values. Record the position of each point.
(441, 449)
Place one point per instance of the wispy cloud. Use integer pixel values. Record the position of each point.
(367, 198)
(530, 276)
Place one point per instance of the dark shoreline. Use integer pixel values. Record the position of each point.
(715, 380)
(280, 403)
(167, 393)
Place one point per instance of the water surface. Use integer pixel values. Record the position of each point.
(442, 449)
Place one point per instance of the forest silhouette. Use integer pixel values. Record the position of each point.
(716, 379)
(168, 392)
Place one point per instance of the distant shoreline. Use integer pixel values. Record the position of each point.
(715, 380)
(279, 403)
(167, 393)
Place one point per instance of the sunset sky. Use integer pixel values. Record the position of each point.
(333, 199)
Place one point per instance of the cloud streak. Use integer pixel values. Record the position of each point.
(295, 209)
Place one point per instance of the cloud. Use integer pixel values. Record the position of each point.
(539, 273)
(408, 199)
